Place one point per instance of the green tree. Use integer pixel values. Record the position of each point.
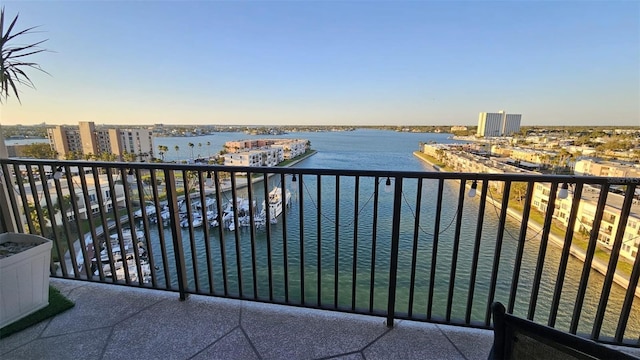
(39, 151)
(13, 66)
(129, 157)
(177, 148)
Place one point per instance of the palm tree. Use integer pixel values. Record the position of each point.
(13, 65)
(177, 148)
(191, 145)
(208, 149)
(199, 149)
(162, 149)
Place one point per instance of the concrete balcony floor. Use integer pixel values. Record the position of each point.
(114, 322)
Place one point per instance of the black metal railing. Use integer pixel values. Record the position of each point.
(403, 245)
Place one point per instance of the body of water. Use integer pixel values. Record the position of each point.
(332, 251)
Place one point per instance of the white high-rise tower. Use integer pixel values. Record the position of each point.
(498, 124)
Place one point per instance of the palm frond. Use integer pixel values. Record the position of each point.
(12, 74)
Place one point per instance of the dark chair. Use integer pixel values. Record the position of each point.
(517, 338)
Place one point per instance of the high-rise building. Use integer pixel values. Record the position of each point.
(86, 140)
(88, 137)
(498, 124)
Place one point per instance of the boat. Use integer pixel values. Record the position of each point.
(276, 202)
(196, 221)
(241, 210)
(128, 236)
(131, 267)
(150, 210)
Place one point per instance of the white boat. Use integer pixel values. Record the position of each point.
(133, 271)
(195, 222)
(276, 202)
(128, 236)
(149, 209)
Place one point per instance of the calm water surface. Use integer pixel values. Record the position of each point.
(378, 150)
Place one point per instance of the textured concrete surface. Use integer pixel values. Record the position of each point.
(115, 322)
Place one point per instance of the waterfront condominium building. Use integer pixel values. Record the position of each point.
(86, 139)
(498, 124)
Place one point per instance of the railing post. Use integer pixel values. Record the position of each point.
(395, 240)
(178, 250)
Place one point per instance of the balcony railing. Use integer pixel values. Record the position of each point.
(403, 245)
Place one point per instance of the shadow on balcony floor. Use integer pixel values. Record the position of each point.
(113, 322)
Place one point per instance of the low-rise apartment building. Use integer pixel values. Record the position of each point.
(596, 167)
(466, 162)
(586, 215)
(263, 152)
(265, 157)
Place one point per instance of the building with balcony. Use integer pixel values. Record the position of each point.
(597, 167)
(265, 157)
(498, 124)
(87, 140)
(586, 212)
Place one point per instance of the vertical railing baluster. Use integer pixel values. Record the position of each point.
(105, 227)
(186, 182)
(36, 200)
(178, 249)
(23, 198)
(498, 249)
(54, 226)
(336, 248)
(268, 228)
(124, 174)
(524, 226)
(128, 194)
(613, 261)
(354, 264)
(145, 227)
(116, 223)
(204, 208)
(252, 235)
(319, 237)
(76, 212)
(301, 229)
(160, 224)
(12, 199)
(223, 256)
(395, 242)
(434, 250)
(456, 245)
(546, 229)
(236, 232)
(92, 228)
(67, 229)
(285, 252)
(374, 235)
(564, 258)
(414, 249)
(476, 251)
(588, 258)
(628, 298)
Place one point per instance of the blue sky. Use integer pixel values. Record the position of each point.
(331, 62)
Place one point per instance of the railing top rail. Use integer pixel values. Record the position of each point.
(341, 172)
